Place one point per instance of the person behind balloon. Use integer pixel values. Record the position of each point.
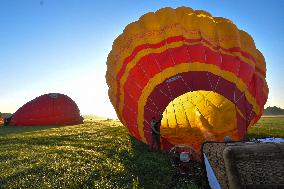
(155, 127)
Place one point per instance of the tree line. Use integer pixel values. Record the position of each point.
(273, 111)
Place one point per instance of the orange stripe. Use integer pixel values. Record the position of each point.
(179, 49)
(168, 41)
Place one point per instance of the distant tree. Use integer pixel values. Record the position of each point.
(273, 111)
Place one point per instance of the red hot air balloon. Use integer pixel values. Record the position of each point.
(201, 72)
(48, 109)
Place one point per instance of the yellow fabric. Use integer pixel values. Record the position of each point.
(195, 117)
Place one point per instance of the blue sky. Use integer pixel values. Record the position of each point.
(62, 45)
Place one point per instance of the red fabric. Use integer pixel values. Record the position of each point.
(224, 87)
(48, 109)
(151, 64)
(197, 52)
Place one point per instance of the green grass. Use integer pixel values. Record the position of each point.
(267, 127)
(92, 155)
(98, 154)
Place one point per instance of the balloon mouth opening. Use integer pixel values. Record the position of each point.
(199, 116)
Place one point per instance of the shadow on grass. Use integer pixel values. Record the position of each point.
(23, 129)
(152, 169)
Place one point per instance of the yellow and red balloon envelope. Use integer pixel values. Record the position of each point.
(203, 73)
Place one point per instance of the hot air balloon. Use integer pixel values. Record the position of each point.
(48, 109)
(1, 119)
(201, 72)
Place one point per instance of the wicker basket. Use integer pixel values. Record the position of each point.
(247, 165)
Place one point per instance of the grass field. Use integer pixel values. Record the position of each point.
(270, 126)
(98, 154)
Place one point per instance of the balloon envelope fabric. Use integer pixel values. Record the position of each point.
(201, 72)
(48, 109)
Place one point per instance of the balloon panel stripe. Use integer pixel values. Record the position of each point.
(232, 61)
